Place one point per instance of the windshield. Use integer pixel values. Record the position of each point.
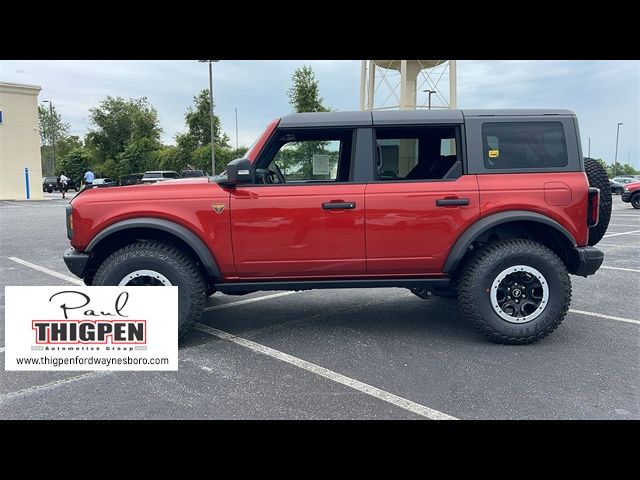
(51, 179)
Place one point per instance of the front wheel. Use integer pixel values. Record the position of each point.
(157, 264)
(515, 291)
(635, 201)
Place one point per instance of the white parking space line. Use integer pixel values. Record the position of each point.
(50, 385)
(608, 317)
(626, 215)
(62, 276)
(403, 403)
(616, 245)
(622, 233)
(1, 349)
(616, 225)
(248, 300)
(623, 269)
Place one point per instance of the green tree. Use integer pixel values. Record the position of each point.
(138, 156)
(200, 158)
(117, 123)
(171, 158)
(68, 143)
(51, 126)
(198, 123)
(76, 162)
(304, 95)
(626, 169)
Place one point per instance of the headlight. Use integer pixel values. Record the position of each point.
(625, 189)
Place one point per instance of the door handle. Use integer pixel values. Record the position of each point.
(338, 205)
(448, 202)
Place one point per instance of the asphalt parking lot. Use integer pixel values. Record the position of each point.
(345, 354)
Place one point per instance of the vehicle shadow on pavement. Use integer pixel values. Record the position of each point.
(396, 316)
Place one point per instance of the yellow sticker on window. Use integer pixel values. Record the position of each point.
(494, 153)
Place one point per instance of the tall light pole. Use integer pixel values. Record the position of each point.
(53, 135)
(430, 92)
(589, 154)
(615, 160)
(236, 129)
(213, 146)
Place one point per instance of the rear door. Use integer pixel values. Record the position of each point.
(420, 200)
(303, 217)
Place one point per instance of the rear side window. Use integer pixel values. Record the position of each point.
(417, 153)
(524, 145)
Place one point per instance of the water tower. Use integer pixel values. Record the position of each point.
(405, 84)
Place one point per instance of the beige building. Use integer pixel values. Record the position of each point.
(19, 142)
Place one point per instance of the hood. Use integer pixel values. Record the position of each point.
(168, 189)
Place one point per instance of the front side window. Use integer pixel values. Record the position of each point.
(418, 153)
(299, 157)
(524, 145)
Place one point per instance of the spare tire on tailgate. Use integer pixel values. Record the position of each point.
(597, 176)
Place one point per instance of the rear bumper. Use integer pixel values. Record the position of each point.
(76, 261)
(586, 261)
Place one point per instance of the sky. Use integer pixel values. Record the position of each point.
(602, 93)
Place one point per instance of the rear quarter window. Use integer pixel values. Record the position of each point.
(524, 145)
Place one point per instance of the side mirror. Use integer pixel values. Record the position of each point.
(238, 172)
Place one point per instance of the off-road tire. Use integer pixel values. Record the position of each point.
(597, 176)
(169, 261)
(484, 266)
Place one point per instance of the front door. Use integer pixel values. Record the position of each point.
(420, 201)
(302, 217)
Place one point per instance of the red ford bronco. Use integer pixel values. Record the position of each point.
(497, 207)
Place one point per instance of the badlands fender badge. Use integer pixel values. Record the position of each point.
(218, 207)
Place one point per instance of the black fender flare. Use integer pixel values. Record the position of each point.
(459, 249)
(181, 232)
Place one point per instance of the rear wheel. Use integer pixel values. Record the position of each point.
(158, 264)
(515, 291)
(597, 176)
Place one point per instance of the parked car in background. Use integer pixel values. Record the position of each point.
(631, 194)
(616, 187)
(625, 180)
(159, 176)
(194, 173)
(105, 182)
(50, 184)
(131, 179)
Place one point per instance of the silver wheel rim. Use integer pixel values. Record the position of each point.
(145, 277)
(519, 294)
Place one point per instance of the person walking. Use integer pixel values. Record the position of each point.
(64, 180)
(89, 177)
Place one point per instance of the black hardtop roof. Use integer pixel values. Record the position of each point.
(391, 117)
